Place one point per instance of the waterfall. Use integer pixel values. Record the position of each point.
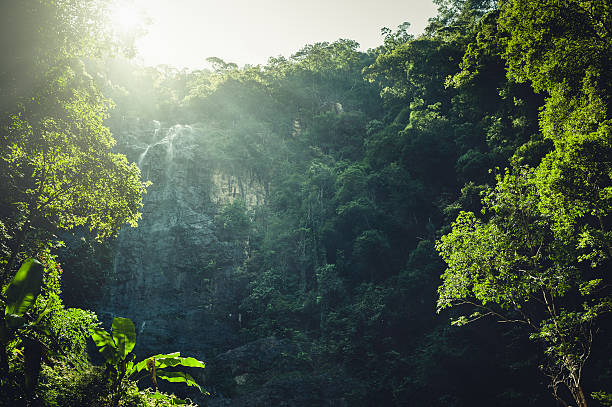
(169, 139)
(157, 268)
(142, 156)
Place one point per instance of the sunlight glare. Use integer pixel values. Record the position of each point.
(125, 16)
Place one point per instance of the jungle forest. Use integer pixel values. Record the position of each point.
(425, 223)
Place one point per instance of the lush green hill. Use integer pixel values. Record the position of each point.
(426, 223)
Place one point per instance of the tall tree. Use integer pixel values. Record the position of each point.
(541, 255)
(58, 170)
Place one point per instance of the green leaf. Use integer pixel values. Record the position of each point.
(46, 311)
(105, 343)
(124, 335)
(14, 321)
(23, 290)
(192, 362)
(136, 367)
(167, 360)
(179, 377)
(101, 338)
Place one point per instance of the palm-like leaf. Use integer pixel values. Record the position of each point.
(22, 292)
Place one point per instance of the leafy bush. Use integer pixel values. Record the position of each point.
(63, 386)
(117, 346)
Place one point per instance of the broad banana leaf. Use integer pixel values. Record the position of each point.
(105, 343)
(22, 292)
(179, 377)
(124, 335)
(169, 360)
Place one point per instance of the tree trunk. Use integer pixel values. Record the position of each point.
(580, 399)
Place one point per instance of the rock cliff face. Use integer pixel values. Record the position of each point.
(161, 276)
(178, 276)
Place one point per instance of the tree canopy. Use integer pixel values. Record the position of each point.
(58, 170)
(465, 170)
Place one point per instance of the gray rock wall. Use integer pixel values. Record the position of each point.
(161, 276)
(180, 280)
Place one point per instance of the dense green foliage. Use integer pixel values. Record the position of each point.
(57, 169)
(57, 172)
(117, 347)
(543, 252)
(478, 151)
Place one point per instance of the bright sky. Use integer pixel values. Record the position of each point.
(184, 33)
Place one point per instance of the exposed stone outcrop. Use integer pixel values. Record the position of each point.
(176, 276)
(161, 273)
